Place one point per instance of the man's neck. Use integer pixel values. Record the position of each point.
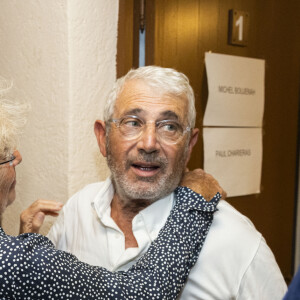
(122, 212)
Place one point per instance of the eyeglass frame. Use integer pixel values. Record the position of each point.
(7, 161)
(118, 121)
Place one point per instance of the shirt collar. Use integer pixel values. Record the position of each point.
(153, 216)
(102, 201)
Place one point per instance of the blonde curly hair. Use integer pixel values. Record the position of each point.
(12, 120)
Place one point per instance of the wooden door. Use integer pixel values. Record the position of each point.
(179, 32)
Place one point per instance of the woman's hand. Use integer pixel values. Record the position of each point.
(202, 183)
(32, 218)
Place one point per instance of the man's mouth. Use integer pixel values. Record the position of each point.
(145, 166)
(145, 169)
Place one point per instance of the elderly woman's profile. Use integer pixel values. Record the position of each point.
(31, 268)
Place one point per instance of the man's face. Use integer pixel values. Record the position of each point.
(147, 167)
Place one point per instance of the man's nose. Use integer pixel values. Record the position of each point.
(148, 140)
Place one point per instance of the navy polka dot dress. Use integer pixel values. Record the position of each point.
(31, 268)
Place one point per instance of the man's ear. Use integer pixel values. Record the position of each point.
(100, 133)
(192, 143)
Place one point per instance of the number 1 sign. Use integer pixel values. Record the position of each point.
(238, 27)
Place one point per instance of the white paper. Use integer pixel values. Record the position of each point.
(234, 157)
(236, 91)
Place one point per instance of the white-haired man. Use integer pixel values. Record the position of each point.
(147, 136)
(31, 268)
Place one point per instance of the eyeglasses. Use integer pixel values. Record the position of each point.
(7, 161)
(168, 131)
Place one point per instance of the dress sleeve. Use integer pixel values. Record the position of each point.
(32, 268)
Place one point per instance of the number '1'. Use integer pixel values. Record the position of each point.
(239, 24)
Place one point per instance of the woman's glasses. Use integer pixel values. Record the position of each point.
(7, 161)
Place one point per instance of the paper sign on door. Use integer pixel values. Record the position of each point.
(234, 157)
(236, 91)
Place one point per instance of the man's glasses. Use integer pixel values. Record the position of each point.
(168, 131)
(7, 161)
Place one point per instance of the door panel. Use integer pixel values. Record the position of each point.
(178, 34)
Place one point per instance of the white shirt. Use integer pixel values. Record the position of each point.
(235, 261)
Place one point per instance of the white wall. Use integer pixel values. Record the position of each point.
(93, 46)
(61, 57)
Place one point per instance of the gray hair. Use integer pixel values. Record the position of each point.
(166, 80)
(12, 120)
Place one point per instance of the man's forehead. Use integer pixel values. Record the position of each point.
(166, 114)
(137, 96)
(136, 88)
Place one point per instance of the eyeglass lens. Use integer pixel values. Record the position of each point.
(167, 130)
(7, 161)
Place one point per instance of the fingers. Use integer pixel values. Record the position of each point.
(32, 218)
(214, 185)
(202, 183)
(192, 176)
(46, 206)
(38, 221)
(224, 194)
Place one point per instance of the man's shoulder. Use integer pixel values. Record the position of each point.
(88, 194)
(234, 257)
(232, 233)
(232, 226)
(92, 188)
(230, 215)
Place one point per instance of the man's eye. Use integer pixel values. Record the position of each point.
(132, 123)
(170, 127)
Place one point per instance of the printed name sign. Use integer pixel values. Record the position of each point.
(236, 91)
(234, 157)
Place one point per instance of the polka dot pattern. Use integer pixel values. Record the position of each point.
(31, 268)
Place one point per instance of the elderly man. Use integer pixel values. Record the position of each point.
(31, 268)
(147, 137)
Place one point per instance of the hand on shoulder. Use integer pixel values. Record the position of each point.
(202, 183)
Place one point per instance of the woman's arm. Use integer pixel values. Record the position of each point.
(33, 269)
